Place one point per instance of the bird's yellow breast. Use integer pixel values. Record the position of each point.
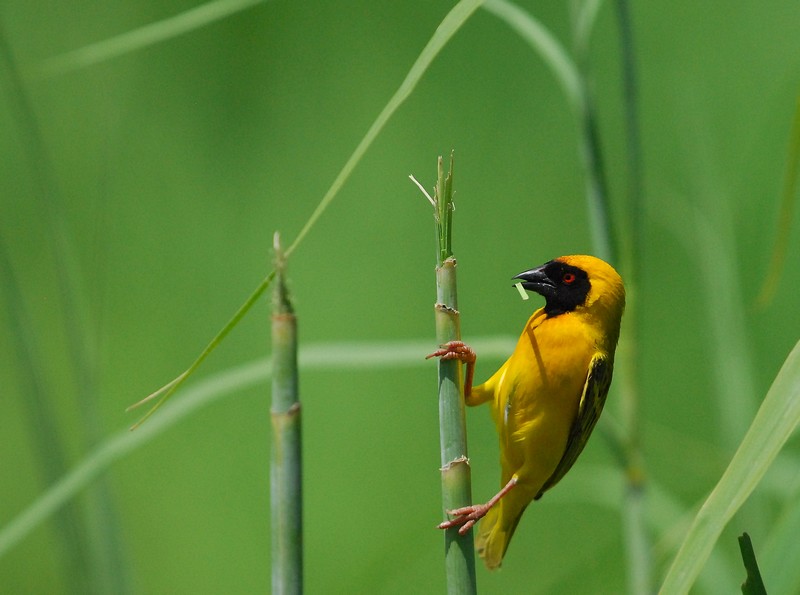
(537, 391)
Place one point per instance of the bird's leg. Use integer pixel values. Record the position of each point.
(462, 352)
(469, 515)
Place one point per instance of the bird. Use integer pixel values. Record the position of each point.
(547, 397)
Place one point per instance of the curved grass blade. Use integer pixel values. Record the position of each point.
(143, 37)
(545, 44)
(336, 356)
(583, 23)
(164, 393)
(786, 216)
(454, 20)
(123, 442)
(447, 28)
(573, 81)
(92, 545)
(774, 423)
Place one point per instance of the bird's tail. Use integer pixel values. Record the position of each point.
(496, 529)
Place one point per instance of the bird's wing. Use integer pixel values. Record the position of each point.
(593, 398)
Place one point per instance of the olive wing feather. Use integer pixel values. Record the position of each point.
(595, 390)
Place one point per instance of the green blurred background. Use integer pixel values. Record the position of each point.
(167, 171)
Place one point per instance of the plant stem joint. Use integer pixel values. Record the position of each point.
(447, 309)
(462, 460)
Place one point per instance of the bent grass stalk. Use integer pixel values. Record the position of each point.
(322, 356)
(456, 477)
(776, 420)
(573, 78)
(637, 541)
(286, 493)
(451, 23)
(143, 37)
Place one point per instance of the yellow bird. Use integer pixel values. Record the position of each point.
(546, 398)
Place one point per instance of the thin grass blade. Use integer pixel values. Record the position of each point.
(92, 543)
(546, 45)
(638, 544)
(166, 391)
(321, 356)
(778, 260)
(452, 22)
(143, 37)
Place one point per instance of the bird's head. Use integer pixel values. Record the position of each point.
(577, 283)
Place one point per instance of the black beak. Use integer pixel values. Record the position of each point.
(536, 280)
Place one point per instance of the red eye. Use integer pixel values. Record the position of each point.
(568, 278)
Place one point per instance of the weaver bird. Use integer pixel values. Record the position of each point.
(546, 398)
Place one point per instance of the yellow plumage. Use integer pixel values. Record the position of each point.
(546, 398)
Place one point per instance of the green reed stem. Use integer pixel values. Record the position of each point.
(456, 476)
(286, 466)
(637, 541)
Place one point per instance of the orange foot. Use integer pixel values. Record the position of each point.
(460, 351)
(466, 517)
(469, 515)
(455, 350)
